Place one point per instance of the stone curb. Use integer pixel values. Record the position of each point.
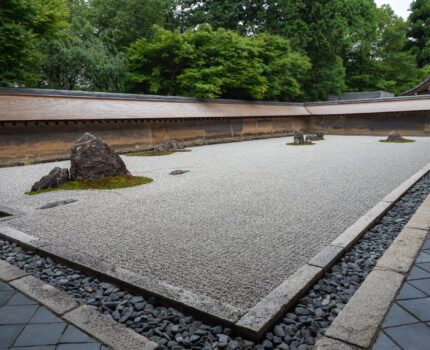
(43, 293)
(180, 298)
(92, 322)
(358, 323)
(263, 315)
(401, 254)
(354, 232)
(327, 257)
(326, 343)
(108, 331)
(9, 272)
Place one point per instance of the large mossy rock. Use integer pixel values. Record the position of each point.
(92, 158)
(298, 138)
(394, 136)
(56, 178)
(170, 145)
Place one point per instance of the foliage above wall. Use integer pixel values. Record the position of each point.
(288, 50)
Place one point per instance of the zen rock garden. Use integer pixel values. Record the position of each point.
(179, 228)
(91, 160)
(301, 140)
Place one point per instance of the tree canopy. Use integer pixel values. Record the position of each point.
(221, 63)
(286, 50)
(419, 31)
(23, 24)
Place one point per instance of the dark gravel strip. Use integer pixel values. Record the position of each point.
(298, 330)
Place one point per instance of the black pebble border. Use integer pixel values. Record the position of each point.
(298, 330)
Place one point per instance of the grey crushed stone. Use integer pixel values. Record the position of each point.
(250, 213)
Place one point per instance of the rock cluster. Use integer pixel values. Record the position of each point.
(298, 138)
(317, 137)
(394, 136)
(91, 158)
(297, 330)
(54, 179)
(170, 145)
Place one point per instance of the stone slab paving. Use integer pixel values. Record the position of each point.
(407, 324)
(245, 218)
(25, 324)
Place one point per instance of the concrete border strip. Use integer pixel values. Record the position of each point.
(16, 235)
(264, 315)
(169, 295)
(108, 331)
(358, 323)
(256, 321)
(92, 322)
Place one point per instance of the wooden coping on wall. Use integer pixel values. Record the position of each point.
(17, 105)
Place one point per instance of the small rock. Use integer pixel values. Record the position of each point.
(56, 178)
(57, 203)
(178, 172)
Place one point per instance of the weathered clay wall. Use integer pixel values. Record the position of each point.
(41, 125)
(30, 142)
(407, 123)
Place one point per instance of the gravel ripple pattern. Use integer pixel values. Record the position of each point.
(297, 330)
(246, 216)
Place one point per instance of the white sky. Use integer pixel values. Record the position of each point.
(400, 7)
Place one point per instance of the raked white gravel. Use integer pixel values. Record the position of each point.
(244, 219)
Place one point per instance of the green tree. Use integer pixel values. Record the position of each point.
(395, 68)
(388, 65)
(419, 31)
(221, 63)
(23, 25)
(80, 59)
(125, 21)
(332, 33)
(243, 16)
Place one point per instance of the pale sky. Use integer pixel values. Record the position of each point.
(400, 7)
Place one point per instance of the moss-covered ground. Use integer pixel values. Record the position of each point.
(300, 144)
(105, 183)
(154, 154)
(403, 140)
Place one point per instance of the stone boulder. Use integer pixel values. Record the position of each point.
(298, 137)
(319, 135)
(92, 158)
(394, 136)
(170, 145)
(54, 179)
(309, 138)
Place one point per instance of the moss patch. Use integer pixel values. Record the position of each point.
(154, 154)
(300, 144)
(105, 183)
(403, 140)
